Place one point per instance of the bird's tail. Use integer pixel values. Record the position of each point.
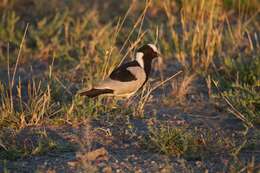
(94, 92)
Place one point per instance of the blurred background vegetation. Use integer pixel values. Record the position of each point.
(71, 43)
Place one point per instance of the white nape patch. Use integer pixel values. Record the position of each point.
(153, 47)
(139, 58)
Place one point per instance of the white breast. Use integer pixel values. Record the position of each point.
(139, 58)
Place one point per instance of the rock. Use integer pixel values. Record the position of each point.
(93, 155)
(107, 169)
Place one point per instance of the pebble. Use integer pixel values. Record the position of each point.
(107, 169)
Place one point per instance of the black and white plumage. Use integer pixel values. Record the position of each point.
(128, 78)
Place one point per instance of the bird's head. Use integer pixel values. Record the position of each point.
(146, 54)
(149, 51)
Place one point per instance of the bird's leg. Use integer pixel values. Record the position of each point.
(113, 102)
(128, 102)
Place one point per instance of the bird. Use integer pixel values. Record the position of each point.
(128, 78)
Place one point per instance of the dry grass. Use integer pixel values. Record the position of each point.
(146, 94)
(18, 113)
(47, 54)
(180, 90)
(201, 25)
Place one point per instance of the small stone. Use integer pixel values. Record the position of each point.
(72, 163)
(199, 164)
(107, 169)
(138, 170)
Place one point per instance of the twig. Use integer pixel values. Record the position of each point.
(232, 109)
(133, 45)
(140, 19)
(166, 80)
(145, 96)
(118, 28)
(19, 54)
(63, 86)
(3, 146)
